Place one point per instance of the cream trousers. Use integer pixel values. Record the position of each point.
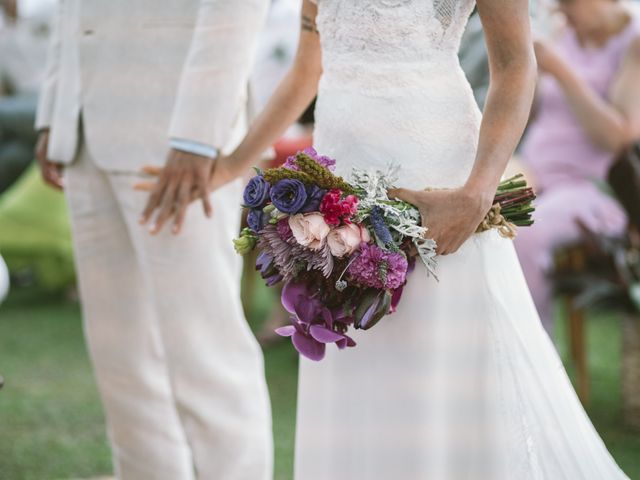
(180, 374)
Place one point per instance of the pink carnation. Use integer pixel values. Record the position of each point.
(337, 209)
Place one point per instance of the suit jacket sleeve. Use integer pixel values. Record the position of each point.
(46, 100)
(212, 92)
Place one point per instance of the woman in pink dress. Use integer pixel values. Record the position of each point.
(588, 110)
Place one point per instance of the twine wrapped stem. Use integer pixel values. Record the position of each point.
(494, 219)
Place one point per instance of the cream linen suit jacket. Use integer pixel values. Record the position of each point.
(178, 82)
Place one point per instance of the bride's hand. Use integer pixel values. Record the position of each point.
(451, 216)
(224, 170)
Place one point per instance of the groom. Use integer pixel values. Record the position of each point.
(180, 375)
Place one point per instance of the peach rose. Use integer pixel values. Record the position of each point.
(345, 240)
(309, 230)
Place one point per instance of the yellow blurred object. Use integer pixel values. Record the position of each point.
(35, 233)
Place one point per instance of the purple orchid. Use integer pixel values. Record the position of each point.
(395, 299)
(312, 324)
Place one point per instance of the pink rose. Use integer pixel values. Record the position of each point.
(309, 230)
(364, 235)
(345, 240)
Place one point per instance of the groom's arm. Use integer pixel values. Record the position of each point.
(211, 96)
(46, 99)
(51, 172)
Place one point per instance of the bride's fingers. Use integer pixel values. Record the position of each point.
(444, 249)
(144, 186)
(403, 194)
(152, 170)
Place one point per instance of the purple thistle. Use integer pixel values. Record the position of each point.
(380, 229)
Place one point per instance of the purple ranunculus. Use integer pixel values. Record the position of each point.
(315, 195)
(257, 219)
(256, 193)
(289, 196)
(310, 330)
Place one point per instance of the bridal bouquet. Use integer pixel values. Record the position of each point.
(343, 250)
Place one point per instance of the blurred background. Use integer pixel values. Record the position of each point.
(584, 273)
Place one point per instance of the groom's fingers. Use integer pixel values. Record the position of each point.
(184, 199)
(152, 170)
(205, 191)
(144, 186)
(155, 198)
(167, 207)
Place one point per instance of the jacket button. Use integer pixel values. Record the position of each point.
(88, 32)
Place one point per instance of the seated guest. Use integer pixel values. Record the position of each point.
(588, 110)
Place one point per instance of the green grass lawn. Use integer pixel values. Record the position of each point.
(51, 423)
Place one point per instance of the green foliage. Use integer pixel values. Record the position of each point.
(52, 421)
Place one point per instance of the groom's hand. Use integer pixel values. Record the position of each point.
(183, 174)
(51, 171)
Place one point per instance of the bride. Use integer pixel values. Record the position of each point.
(470, 387)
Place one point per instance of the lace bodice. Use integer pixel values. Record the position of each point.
(390, 31)
(392, 88)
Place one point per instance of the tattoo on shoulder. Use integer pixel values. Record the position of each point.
(308, 24)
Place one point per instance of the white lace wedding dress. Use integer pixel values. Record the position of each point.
(462, 382)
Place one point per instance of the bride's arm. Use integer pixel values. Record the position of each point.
(511, 90)
(452, 216)
(294, 94)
